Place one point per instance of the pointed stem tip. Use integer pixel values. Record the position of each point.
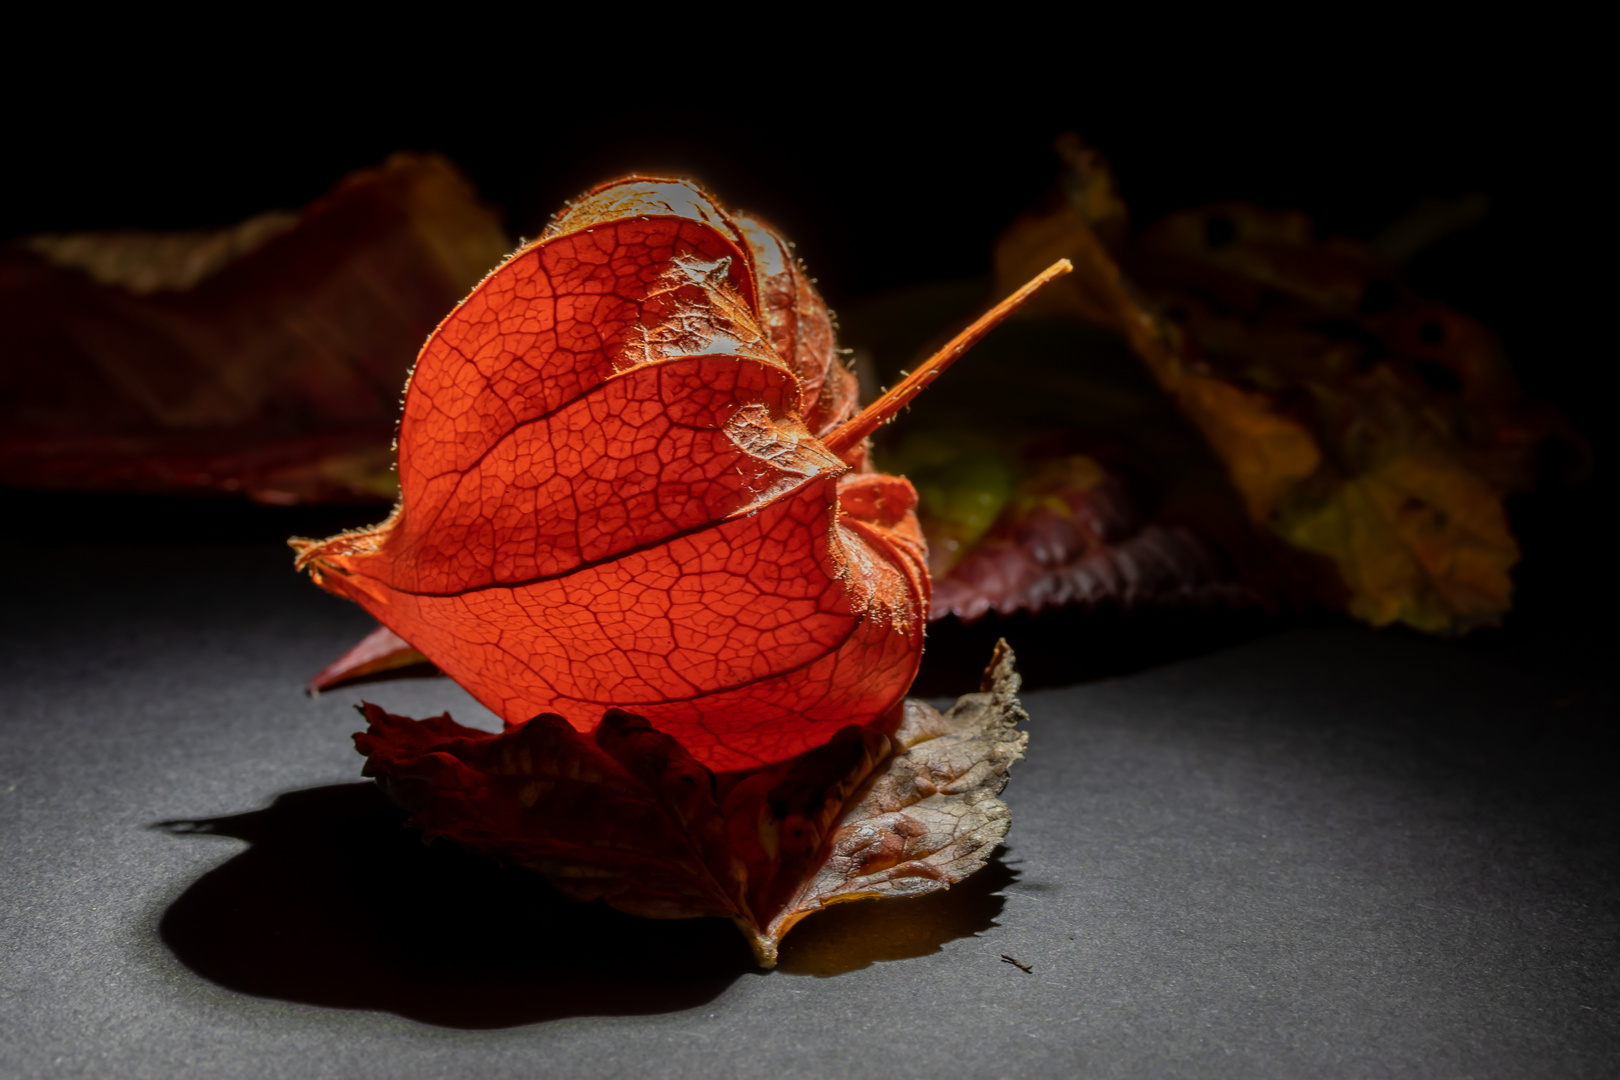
(851, 433)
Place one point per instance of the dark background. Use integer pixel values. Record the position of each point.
(887, 167)
(891, 162)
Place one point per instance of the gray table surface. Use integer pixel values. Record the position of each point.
(1322, 852)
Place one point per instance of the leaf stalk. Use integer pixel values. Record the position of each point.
(849, 435)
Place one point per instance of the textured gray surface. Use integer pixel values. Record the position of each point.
(1328, 852)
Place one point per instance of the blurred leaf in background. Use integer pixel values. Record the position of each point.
(266, 358)
(1297, 423)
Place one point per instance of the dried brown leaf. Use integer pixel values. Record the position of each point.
(629, 817)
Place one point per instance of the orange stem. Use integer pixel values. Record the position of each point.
(851, 432)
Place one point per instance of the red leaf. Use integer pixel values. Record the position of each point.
(1073, 535)
(613, 493)
(379, 651)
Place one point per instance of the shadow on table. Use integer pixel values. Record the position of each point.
(847, 937)
(336, 903)
(1077, 644)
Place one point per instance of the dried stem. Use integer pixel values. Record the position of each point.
(850, 434)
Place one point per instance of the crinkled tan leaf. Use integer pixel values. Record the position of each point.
(932, 817)
(629, 817)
